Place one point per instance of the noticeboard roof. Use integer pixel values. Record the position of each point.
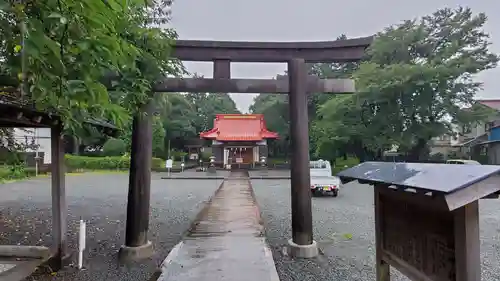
(441, 178)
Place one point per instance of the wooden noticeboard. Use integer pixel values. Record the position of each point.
(417, 240)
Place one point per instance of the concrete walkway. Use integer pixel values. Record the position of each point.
(226, 242)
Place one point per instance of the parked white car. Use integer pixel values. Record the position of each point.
(462, 161)
(322, 181)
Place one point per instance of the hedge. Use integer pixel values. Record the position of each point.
(104, 163)
(342, 164)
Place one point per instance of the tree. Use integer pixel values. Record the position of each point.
(276, 111)
(274, 107)
(60, 49)
(207, 106)
(414, 83)
(179, 119)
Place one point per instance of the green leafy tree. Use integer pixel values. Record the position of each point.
(276, 113)
(413, 85)
(158, 136)
(60, 49)
(207, 106)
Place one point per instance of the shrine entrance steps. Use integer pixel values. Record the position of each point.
(226, 241)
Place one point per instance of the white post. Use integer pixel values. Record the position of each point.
(81, 243)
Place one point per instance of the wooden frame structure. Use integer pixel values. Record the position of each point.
(427, 217)
(18, 116)
(222, 53)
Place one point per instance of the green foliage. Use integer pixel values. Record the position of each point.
(207, 105)
(179, 155)
(342, 163)
(114, 147)
(414, 85)
(70, 45)
(157, 163)
(14, 172)
(104, 163)
(158, 136)
(277, 161)
(205, 156)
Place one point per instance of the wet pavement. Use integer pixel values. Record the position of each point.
(226, 242)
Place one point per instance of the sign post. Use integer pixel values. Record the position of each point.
(168, 164)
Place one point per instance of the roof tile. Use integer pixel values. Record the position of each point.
(239, 127)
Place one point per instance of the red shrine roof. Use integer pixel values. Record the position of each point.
(495, 104)
(239, 127)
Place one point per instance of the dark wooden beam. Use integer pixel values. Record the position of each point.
(260, 86)
(139, 179)
(59, 206)
(137, 245)
(302, 226)
(467, 241)
(325, 51)
(222, 69)
(382, 268)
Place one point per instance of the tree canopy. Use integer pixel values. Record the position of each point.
(414, 84)
(58, 51)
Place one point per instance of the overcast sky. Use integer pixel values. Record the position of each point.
(309, 20)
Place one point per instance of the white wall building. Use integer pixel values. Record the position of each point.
(40, 136)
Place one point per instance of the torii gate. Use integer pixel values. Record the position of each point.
(222, 53)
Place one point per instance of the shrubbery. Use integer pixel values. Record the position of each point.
(114, 147)
(76, 163)
(179, 155)
(16, 172)
(342, 163)
(205, 156)
(104, 163)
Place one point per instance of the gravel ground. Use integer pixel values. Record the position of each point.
(100, 199)
(335, 221)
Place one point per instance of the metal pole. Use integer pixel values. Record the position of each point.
(168, 149)
(302, 228)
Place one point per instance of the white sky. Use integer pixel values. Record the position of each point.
(311, 20)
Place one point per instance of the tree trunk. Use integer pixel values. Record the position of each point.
(418, 151)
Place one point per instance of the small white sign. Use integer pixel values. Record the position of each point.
(169, 163)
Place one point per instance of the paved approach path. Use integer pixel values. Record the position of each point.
(226, 242)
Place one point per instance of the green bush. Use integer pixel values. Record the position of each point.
(77, 163)
(114, 147)
(277, 161)
(205, 156)
(342, 164)
(178, 155)
(157, 163)
(104, 163)
(12, 172)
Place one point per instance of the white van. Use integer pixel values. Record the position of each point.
(322, 181)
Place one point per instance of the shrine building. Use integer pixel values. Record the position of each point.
(239, 139)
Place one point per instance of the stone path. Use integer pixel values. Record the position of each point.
(226, 242)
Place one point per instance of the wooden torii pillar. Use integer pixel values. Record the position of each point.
(222, 53)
